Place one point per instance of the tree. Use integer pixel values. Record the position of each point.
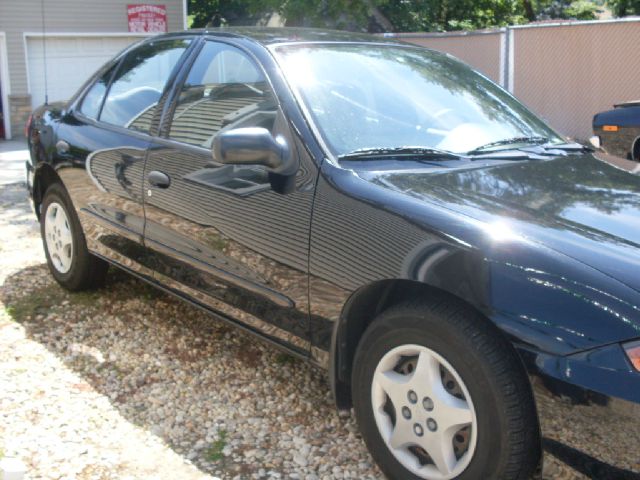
(342, 14)
(622, 8)
(394, 15)
(581, 10)
(565, 9)
(443, 15)
(215, 13)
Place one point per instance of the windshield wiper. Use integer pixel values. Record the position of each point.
(379, 152)
(567, 147)
(510, 141)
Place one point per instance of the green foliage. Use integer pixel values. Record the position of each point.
(566, 9)
(582, 10)
(622, 8)
(38, 302)
(203, 13)
(345, 14)
(285, 359)
(403, 15)
(214, 452)
(444, 15)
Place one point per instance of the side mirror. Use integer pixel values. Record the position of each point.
(254, 146)
(595, 141)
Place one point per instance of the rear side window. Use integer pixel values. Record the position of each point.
(224, 89)
(93, 99)
(139, 82)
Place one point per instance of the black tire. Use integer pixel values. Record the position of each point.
(635, 150)
(87, 271)
(508, 436)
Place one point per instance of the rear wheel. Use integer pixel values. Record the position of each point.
(439, 395)
(65, 247)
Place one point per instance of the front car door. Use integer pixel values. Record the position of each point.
(105, 136)
(218, 233)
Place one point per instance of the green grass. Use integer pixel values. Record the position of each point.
(38, 302)
(214, 452)
(43, 299)
(86, 299)
(285, 359)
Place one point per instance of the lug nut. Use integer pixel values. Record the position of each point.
(413, 398)
(432, 425)
(418, 430)
(427, 403)
(406, 413)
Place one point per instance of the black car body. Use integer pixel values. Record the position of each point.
(546, 248)
(619, 130)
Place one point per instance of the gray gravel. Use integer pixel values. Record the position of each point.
(127, 382)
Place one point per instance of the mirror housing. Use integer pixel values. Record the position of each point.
(595, 141)
(254, 146)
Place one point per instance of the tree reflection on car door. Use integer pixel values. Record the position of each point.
(108, 134)
(219, 233)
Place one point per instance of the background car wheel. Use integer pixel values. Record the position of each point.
(65, 247)
(439, 394)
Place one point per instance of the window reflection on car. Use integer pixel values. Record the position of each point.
(139, 82)
(222, 89)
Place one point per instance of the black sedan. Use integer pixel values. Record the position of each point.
(468, 278)
(617, 131)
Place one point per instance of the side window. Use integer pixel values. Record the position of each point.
(224, 89)
(139, 82)
(92, 100)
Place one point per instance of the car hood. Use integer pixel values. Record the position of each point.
(577, 205)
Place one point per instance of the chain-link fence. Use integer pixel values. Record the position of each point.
(566, 72)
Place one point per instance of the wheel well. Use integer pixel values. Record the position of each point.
(358, 313)
(45, 176)
(635, 150)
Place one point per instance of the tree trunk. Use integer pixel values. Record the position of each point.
(529, 12)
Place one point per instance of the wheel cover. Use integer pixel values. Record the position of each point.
(424, 413)
(58, 237)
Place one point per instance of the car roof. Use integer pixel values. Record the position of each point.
(269, 36)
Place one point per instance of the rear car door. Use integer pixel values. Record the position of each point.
(102, 143)
(219, 234)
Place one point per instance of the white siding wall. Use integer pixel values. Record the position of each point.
(70, 61)
(80, 16)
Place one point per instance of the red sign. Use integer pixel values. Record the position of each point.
(147, 18)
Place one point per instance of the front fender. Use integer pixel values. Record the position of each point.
(364, 234)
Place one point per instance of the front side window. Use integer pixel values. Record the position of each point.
(93, 99)
(224, 89)
(370, 96)
(139, 82)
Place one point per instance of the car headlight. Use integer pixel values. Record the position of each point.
(632, 350)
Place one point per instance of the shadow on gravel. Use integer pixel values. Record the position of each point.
(217, 396)
(586, 464)
(224, 400)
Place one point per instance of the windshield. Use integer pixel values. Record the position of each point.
(374, 96)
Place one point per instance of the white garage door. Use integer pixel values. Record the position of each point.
(70, 61)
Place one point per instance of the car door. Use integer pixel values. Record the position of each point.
(220, 234)
(105, 136)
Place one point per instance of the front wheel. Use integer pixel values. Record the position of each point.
(65, 247)
(439, 395)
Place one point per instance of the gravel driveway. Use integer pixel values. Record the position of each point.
(128, 382)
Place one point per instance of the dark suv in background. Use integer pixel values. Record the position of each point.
(469, 280)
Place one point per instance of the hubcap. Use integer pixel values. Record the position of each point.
(434, 438)
(58, 237)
